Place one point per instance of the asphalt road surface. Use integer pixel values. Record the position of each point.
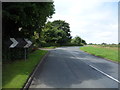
(69, 67)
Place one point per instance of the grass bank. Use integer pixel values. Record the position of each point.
(16, 73)
(107, 53)
(51, 47)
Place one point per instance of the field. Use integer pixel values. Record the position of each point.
(16, 73)
(109, 52)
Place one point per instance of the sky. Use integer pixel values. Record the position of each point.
(94, 21)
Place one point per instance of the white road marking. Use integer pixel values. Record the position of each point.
(104, 73)
(100, 71)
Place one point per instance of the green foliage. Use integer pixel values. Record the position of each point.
(11, 54)
(109, 45)
(84, 42)
(23, 20)
(30, 16)
(104, 44)
(78, 41)
(57, 33)
(16, 73)
(62, 25)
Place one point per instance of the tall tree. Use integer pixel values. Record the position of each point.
(57, 32)
(84, 42)
(78, 41)
(29, 16)
(60, 24)
(23, 20)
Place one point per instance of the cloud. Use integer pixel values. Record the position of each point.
(96, 21)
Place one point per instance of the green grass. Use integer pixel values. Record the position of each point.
(51, 47)
(107, 53)
(16, 73)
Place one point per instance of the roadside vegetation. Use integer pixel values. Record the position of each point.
(30, 20)
(51, 47)
(16, 73)
(23, 20)
(109, 52)
(57, 33)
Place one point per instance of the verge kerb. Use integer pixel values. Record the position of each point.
(29, 80)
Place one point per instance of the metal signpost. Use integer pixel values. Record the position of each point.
(19, 43)
(29, 43)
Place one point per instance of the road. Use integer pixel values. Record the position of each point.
(69, 67)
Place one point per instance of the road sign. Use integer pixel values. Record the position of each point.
(14, 43)
(29, 43)
(18, 43)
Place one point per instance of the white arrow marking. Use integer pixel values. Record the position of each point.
(14, 42)
(29, 43)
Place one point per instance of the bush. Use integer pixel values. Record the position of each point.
(11, 54)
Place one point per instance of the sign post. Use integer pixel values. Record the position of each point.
(19, 43)
(25, 55)
(29, 43)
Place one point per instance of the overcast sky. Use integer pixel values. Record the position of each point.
(94, 21)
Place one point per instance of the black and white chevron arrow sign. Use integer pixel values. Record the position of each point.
(14, 43)
(29, 43)
(18, 43)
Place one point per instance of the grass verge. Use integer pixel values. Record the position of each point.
(106, 53)
(51, 47)
(16, 73)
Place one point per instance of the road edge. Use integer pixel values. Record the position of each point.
(29, 80)
(101, 57)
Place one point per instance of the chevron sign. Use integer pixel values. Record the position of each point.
(18, 42)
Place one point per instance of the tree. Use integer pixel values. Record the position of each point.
(61, 37)
(78, 41)
(30, 16)
(103, 43)
(57, 32)
(62, 25)
(84, 42)
(24, 20)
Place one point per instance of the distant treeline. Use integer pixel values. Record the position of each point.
(57, 33)
(105, 44)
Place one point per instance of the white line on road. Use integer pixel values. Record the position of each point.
(99, 71)
(104, 73)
